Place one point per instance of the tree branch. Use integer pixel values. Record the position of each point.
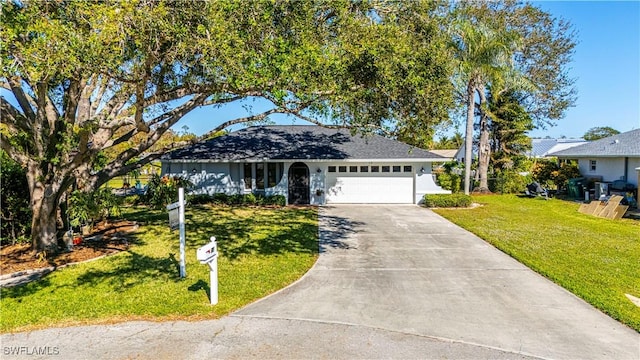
(22, 98)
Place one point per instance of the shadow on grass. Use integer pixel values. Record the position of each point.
(239, 231)
(133, 270)
(23, 290)
(201, 285)
(279, 231)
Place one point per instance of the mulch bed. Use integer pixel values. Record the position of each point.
(106, 238)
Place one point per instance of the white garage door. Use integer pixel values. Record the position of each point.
(363, 189)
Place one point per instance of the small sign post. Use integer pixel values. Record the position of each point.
(176, 221)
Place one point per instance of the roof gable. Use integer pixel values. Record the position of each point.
(624, 144)
(297, 142)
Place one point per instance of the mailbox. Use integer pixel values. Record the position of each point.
(207, 253)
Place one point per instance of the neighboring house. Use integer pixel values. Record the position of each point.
(542, 147)
(307, 164)
(539, 147)
(613, 158)
(449, 154)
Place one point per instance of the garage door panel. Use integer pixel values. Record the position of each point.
(374, 190)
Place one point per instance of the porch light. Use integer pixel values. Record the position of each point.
(319, 170)
(422, 170)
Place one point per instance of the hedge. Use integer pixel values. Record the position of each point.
(447, 200)
(237, 199)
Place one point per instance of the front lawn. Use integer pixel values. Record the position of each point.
(261, 250)
(595, 258)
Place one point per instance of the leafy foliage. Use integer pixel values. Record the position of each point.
(447, 200)
(93, 88)
(15, 224)
(85, 208)
(244, 199)
(548, 173)
(162, 191)
(597, 133)
(449, 176)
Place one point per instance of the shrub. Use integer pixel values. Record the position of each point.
(509, 182)
(279, 200)
(447, 200)
(89, 207)
(16, 212)
(548, 173)
(249, 199)
(162, 191)
(449, 176)
(200, 199)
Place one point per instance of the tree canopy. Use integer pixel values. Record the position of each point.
(80, 79)
(599, 132)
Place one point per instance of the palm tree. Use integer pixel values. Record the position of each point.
(484, 56)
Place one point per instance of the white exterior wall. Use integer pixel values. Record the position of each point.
(426, 184)
(400, 187)
(610, 169)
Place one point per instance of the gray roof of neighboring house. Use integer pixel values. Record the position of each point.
(624, 144)
(297, 142)
(448, 153)
(543, 147)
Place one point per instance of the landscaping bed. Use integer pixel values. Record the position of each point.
(105, 239)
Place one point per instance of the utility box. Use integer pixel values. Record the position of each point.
(602, 190)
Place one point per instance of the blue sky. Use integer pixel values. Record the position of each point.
(606, 65)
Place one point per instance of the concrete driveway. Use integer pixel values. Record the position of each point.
(391, 282)
(408, 270)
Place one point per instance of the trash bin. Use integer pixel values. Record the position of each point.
(575, 188)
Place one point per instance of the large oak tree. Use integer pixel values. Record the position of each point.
(80, 79)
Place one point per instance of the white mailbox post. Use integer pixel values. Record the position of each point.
(208, 254)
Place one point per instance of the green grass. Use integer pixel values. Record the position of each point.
(261, 250)
(595, 258)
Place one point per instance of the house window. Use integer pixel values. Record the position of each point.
(375, 169)
(592, 165)
(247, 176)
(408, 168)
(396, 168)
(332, 169)
(353, 169)
(272, 175)
(364, 169)
(342, 169)
(385, 169)
(260, 176)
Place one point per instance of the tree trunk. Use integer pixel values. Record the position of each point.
(45, 198)
(43, 225)
(468, 140)
(484, 147)
(484, 153)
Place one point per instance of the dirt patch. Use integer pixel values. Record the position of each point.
(105, 239)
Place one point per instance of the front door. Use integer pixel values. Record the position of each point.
(298, 184)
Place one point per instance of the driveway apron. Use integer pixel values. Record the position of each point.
(406, 269)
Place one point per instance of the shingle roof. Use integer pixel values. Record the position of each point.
(297, 142)
(542, 147)
(624, 144)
